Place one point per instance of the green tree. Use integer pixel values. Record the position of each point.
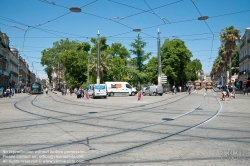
(193, 67)
(140, 56)
(117, 50)
(229, 36)
(119, 71)
(56, 57)
(75, 67)
(151, 68)
(217, 69)
(175, 58)
(136, 63)
(235, 60)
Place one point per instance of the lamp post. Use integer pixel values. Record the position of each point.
(98, 58)
(88, 71)
(159, 58)
(58, 77)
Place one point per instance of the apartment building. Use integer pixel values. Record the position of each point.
(14, 70)
(244, 58)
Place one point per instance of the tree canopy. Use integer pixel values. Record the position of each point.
(75, 61)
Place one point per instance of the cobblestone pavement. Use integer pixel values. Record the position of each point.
(181, 129)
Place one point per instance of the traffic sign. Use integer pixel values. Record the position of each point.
(164, 79)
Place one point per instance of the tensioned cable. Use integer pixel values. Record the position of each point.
(209, 29)
(144, 11)
(153, 11)
(61, 15)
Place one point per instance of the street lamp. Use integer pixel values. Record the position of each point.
(98, 58)
(75, 9)
(137, 30)
(202, 18)
(88, 71)
(159, 58)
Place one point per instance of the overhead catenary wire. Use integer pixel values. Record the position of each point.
(208, 28)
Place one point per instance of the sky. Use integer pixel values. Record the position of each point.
(34, 25)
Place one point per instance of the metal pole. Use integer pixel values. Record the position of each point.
(58, 76)
(159, 58)
(26, 77)
(98, 59)
(18, 77)
(88, 70)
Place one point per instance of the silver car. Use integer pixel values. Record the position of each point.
(153, 90)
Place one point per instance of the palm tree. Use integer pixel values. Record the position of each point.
(105, 63)
(229, 36)
(222, 60)
(217, 68)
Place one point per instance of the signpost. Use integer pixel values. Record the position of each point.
(164, 79)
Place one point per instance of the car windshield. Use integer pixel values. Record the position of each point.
(128, 86)
(100, 87)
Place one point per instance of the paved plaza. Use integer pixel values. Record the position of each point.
(181, 129)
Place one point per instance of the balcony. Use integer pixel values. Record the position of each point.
(4, 46)
(244, 58)
(242, 45)
(3, 57)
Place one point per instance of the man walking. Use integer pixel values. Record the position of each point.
(224, 91)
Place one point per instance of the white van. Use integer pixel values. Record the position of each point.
(97, 90)
(120, 88)
(153, 90)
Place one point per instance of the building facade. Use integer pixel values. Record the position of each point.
(14, 70)
(244, 59)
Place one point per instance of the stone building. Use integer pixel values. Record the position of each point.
(244, 59)
(14, 70)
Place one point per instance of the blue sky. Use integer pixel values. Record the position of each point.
(46, 22)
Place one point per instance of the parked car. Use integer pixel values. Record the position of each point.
(219, 86)
(97, 90)
(153, 90)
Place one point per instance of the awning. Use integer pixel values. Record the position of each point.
(244, 82)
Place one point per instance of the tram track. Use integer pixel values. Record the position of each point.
(76, 121)
(155, 140)
(98, 137)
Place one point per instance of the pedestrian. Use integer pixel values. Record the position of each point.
(244, 89)
(173, 89)
(82, 92)
(230, 91)
(233, 92)
(46, 91)
(12, 91)
(8, 93)
(189, 89)
(224, 92)
(75, 91)
(180, 88)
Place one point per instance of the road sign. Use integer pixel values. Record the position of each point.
(164, 79)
